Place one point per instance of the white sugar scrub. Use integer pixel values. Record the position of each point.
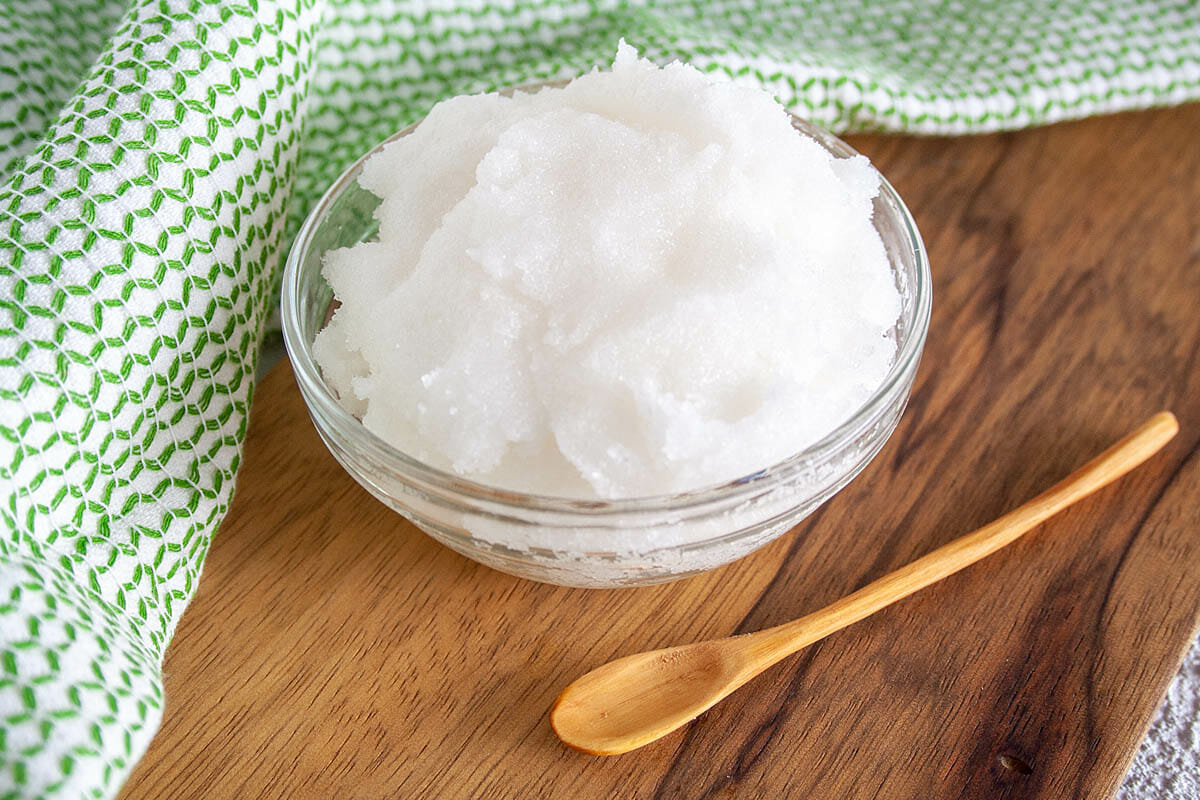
(640, 283)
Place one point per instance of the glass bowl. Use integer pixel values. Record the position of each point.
(596, 543)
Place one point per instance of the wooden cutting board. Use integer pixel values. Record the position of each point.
(334, 651)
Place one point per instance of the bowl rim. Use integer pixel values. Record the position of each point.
(315, 390)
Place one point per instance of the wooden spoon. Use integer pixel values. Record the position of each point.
(634, 700)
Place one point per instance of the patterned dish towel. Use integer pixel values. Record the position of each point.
(156, 157)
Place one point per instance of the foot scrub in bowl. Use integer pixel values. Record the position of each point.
(640, 283)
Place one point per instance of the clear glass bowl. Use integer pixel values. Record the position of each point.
(583, 542)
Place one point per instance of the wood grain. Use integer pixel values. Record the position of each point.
(637, 699)
(334, 651)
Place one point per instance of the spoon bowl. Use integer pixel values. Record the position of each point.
(678, 683)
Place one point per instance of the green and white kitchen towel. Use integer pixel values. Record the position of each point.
(157, 155)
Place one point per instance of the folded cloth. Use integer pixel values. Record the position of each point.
(156, 157)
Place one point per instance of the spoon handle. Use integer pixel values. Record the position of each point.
(769, 646)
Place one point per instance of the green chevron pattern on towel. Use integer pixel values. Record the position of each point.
(156, 157)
